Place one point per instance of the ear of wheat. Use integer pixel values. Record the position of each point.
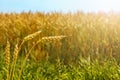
(7, 52)
(31, 36)
(15, 52)
(51, 38)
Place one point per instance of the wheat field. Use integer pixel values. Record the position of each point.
(59, 46)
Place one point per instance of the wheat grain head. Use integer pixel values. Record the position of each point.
(15, 55)
(31, 36)
(7, 59)
(7, 52)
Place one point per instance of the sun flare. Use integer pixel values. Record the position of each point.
(108, 5)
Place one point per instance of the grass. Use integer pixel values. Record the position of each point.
(57, 46)
(84, 70)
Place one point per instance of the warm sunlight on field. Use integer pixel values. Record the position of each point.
(60, 40)
(110, 4)
(59, 46)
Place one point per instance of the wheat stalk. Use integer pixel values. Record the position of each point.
(17, 49)
(22, 66)
(43, 39)
(7, 52)
(15, 55)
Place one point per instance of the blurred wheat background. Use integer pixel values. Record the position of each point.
(93, 37)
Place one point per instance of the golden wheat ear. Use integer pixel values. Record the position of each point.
(31, 36)
(15, 55)
(27, 38)
(7, 52)
(7, 59)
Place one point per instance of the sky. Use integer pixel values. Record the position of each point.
(18, 6)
